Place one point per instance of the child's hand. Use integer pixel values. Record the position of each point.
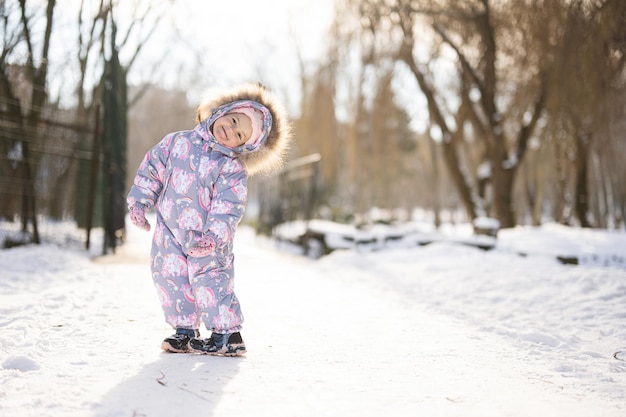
(206, 246)
(138, 218)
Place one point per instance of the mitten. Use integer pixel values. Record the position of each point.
(138, 217)
(206, 246)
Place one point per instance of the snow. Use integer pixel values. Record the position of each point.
(438, 330)
(21, 363)
(487, 223)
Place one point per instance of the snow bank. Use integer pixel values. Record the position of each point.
(438, 330)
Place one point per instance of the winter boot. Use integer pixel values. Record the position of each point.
(179, 342)
(230, 344)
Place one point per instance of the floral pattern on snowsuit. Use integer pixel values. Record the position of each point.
(198, 188)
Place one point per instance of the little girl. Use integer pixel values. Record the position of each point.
(197, 181)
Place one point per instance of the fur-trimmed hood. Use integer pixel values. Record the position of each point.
(269, 154)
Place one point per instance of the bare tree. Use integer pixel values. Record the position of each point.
(25, 105)
(585, 82)
(22, 109)
(478, 35)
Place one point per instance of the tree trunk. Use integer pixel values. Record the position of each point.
(436, 184)
(448, 144)
(502, 180)
(582, 193)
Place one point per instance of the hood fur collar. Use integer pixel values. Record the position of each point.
(270, 155)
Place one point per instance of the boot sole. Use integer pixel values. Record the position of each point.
(169, 348)
(235, 350)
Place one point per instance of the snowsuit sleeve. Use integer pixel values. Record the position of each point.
(227, 205)
(150, 177)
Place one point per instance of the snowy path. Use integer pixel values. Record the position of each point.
(83, 339)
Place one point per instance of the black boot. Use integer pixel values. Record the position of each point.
(179, 342)
(230, 344)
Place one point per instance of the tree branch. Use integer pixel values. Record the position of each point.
(26, 33)
(527, 130)
(464, 62)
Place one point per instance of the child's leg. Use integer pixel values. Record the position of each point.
(212, 278)
(171, 279)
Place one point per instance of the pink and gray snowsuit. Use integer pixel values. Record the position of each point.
(199, 189)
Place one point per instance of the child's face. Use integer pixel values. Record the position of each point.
(232, 129)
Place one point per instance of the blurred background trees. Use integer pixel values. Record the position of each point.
(513, 91)
(66, 159)
(460, 108)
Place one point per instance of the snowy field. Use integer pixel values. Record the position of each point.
(436, 330)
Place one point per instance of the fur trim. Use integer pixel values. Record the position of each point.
(271, 156)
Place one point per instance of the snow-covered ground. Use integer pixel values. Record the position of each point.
(436, 330)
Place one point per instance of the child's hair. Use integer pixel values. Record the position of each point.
(271, 156)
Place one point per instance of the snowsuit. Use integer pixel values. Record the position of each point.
(199, 188)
